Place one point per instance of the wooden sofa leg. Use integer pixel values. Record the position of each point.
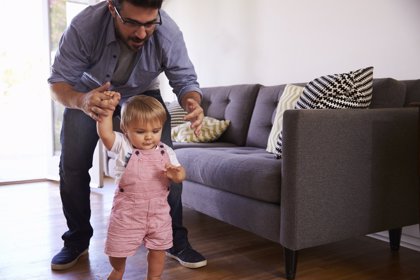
(290, 259)
(395, 238)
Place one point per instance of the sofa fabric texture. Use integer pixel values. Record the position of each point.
(365, 197)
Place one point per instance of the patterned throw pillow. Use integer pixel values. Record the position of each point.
(287, 101)
(211, 130)
(177, 113)
(351, 90)
(339, 91)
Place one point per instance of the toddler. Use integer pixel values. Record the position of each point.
(144, 168)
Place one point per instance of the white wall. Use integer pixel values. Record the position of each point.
(283, 41)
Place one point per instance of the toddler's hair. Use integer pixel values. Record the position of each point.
(142, 108)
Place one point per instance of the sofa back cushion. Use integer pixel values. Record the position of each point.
(234, 103)
(413, 91)
(388, 93)
(263, 115)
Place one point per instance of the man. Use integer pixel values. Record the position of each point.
(120, 46)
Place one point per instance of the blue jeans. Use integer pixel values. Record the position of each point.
(78, 141)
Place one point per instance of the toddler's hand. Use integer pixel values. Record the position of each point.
(175, 173)
(114, 97)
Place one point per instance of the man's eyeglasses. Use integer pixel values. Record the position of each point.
(134, 24)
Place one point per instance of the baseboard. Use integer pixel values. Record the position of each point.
(410, 237)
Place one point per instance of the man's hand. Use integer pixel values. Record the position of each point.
(195, 115)
(99, 102)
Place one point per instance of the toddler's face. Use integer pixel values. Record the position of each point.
(144, 136)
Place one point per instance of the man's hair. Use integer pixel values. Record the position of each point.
(142, 108)
(155, 4)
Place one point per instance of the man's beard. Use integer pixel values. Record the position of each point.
(132, 42)
(137, 40)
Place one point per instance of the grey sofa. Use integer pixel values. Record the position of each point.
(344, 173)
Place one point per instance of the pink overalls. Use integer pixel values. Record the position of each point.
(140, 209)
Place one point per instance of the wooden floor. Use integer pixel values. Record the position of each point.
(31, 223)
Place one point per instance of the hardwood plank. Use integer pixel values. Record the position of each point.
(32, 222)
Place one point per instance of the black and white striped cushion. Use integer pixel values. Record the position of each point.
(339, 91)
(351, 90)
(177, 113)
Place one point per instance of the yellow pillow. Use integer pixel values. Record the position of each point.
(287, 101)
(211, 130)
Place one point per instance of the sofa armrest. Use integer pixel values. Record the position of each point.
(347, 173)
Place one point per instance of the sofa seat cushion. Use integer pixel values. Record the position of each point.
(246, 171)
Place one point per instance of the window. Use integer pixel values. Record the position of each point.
(24, 97)
(26, 109)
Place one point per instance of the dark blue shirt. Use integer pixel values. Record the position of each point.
(88, 53)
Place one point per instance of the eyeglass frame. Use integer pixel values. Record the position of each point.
(131, 23)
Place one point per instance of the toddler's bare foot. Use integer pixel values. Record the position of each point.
(115, 275)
